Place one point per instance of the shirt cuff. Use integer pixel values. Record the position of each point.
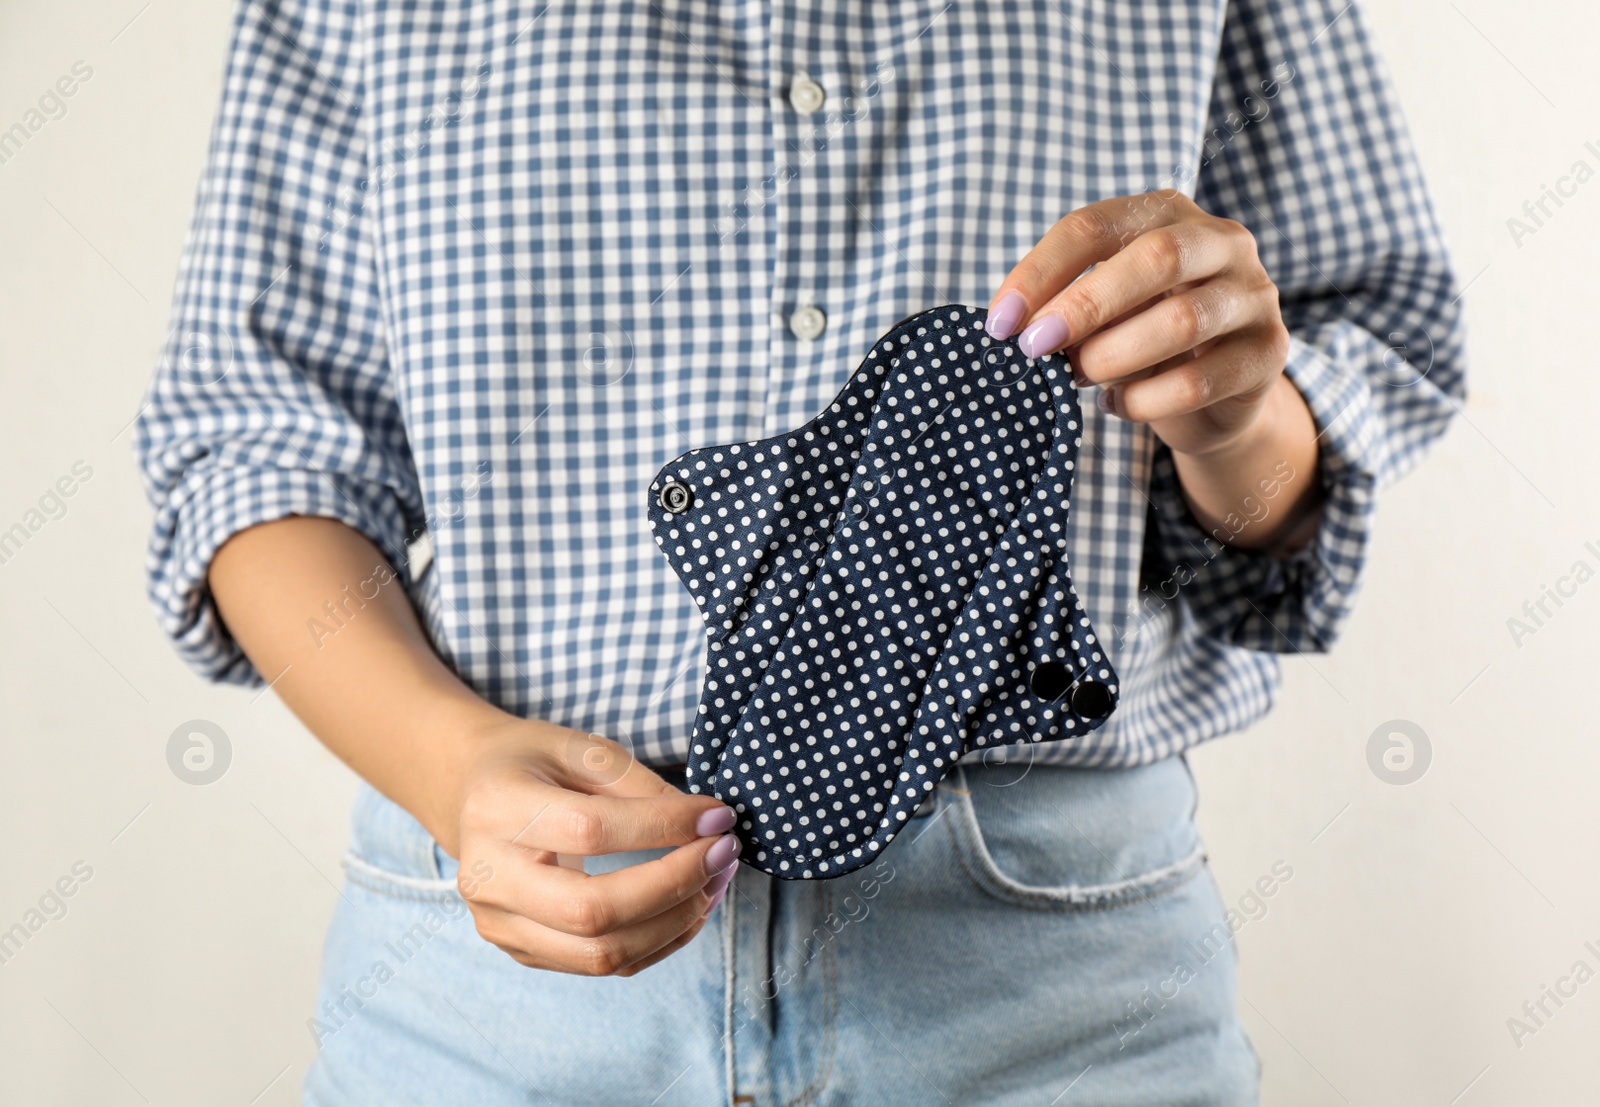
(218, 504)
(1297, 602)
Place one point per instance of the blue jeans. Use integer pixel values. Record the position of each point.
(1043, 936)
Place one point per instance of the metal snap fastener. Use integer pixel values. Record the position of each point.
(1050, 680)
(808, 322)
(806, 96)
(676, 497)
(1091, 699)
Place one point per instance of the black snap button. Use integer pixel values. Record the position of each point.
(1050, 680)
(1091, 699)
(676, 497)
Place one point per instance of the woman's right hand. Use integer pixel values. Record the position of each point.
(535, 800)
(509, 797)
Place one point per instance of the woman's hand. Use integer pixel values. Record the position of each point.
(516, 800)
(539, 798)
(1179, 323)
(1178, 320)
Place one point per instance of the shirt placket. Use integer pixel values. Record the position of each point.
(807, 173)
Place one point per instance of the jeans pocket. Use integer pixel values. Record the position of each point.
(1063, 839)
(390, 853)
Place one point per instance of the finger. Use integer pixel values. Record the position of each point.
(590, 906)
(1236, 366)
(540, 947)
(564, 821)
(1078, 240)
(594, 763)
(667, 950)
(1164, 329)
(597, 765)
(716, 889)
(1154, 263)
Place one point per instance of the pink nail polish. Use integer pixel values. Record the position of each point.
(1003, 320)
(1106, 402)
(719, 883)
(1046, 336)
(722, 855)
(719, 820)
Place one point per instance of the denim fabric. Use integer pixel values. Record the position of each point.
(1038, 935)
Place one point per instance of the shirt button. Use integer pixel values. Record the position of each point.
(808, 322)
(806, 96)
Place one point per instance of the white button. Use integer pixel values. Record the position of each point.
(806, 96)
(808, 322)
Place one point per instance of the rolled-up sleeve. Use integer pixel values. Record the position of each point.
(273, 394)
(1307, 148)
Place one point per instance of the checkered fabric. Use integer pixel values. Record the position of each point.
(465, 276)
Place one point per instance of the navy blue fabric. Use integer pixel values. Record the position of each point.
(884, 588)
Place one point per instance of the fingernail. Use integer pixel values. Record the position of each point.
(722, 855)
(1046, 336)
(1106, 402)
(718, 884)
(719, 820)
(1003, 320)
(715, 900)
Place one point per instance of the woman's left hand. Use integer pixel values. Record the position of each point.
(1178, 319)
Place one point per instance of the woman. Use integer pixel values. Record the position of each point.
(465, 276)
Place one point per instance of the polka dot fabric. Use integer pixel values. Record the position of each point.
(885, 588)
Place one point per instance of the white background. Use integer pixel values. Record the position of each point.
(1418, 920)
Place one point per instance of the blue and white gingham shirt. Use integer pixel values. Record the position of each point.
(464, 275)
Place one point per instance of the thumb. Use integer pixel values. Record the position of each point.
(600, 766)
